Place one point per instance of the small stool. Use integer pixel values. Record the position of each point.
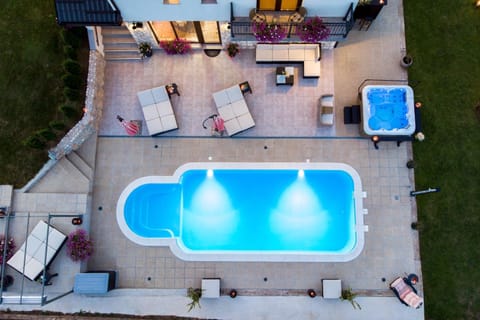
(332, 288)
(211, 288)
(245, 87)
(172, 89)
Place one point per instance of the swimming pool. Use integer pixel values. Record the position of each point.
(388, 110)
(248, 212)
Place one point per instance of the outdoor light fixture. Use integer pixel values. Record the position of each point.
(477, 4)
(136, 25)
(418, 104)
(375, 140)
(210, 158)
(308, 160)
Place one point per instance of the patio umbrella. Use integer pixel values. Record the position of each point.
(130, 127)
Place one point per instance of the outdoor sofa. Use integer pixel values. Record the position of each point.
(233, 109)
(157, 110)
(307, 53)
(30, 259)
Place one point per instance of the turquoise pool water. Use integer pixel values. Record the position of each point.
(249, 210)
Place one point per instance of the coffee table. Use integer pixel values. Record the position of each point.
(284, 76)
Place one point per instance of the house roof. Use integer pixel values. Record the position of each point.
(87, 12)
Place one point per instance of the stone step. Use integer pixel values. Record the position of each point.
(122, 58)
(115, 31)
(81, 165)
(81, 181)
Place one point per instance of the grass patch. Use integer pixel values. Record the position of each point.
(30, 84)
(442, 36)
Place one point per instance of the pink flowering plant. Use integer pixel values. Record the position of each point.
(177, 46)
(79, 246)
(269, 32)
(10, 247)
(312, 30)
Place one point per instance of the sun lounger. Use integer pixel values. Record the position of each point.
(406, 293)
(157, 110)
(327, 109)
(233, 109)
(30, 259)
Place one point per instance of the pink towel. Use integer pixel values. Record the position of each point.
(406, 293)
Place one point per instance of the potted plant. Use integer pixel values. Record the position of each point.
(348, 295)
(145, 49)
(232, 49)
(406, 61)
(311, 293)
(79, 246)
(411, 164)
(268, 32)
(233, 293)
(312, 30)
(194, 294)
(177, 46)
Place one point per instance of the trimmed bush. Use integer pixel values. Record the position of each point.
(57, 125)
(72, 81)
(47, 134)
(34, 142)
(70, 38)
(69, 52)
(71, 94)
(69, 111)
(72, 66)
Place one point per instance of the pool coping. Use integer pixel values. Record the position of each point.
(250, 256)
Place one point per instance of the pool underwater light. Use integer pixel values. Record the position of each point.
(301, 173)
(210, 173)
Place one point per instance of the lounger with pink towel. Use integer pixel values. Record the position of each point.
(233, 109)
(157, 110)
(406, 293)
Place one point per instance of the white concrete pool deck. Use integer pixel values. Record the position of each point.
(391, 247)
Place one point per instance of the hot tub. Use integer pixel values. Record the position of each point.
(388, 110)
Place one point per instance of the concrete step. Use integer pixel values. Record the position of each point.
(81, 165)
(122, 58)
(73, 172)
(115, 31)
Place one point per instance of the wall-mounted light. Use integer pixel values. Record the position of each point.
(477, 4)
(136, 25)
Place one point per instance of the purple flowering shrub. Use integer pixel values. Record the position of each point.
(312, 30)
(10, 248)
(265, 32)
(177, 46)
(79, 246)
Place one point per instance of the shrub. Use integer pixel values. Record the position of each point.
(70, 38)
(72, 81)
(47, 134)
(177, 46)
(312, 30)
(232, 49)
(71, 94)
(57, 125)
(69, 52)
(79, 246)
(10, 248)
(266, 32)
(69, 111)
(72, 66)
(34, 142)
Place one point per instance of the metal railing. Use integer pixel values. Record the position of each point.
(242, 28)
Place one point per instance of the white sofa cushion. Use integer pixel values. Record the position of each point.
(226, 112)
(239, 108)
(160, 94)
(234, 93)
(246, 121)
(150, 112)
(164, 108)
(146, 98)
(221, 98)
(232, 126)
(280, 52)
(312, 52)
(169, 122)
(311, 68)
(296, 52)
(264, 52)
(154, 126)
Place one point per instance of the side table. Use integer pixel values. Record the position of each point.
(284, 76)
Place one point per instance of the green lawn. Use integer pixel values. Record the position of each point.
(30, 84)
(443, 36)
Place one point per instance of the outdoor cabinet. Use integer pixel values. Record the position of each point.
(94, 282)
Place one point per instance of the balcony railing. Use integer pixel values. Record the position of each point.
(241, 27)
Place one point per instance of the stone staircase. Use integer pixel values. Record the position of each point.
(119, 44)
